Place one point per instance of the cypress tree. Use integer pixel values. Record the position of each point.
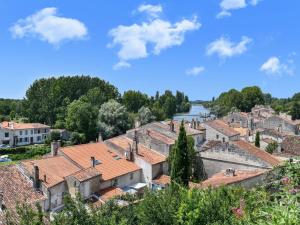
(257, 140)
(180, 169)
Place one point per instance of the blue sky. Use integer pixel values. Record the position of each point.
(200, 47)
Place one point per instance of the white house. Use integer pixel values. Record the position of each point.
(18, 134)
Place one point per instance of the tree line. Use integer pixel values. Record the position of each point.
(87, 105)
(248, 97)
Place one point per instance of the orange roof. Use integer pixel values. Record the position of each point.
(162, 180)
(86, 174)
(55, 168)
(22, 126)
(111, 165)
(158, 136)
(257, 152)
(110, 193)
(222, 127)
(221, 179)
(16, 188)
(144, 153)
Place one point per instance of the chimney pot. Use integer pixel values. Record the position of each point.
(36, 177)
(54, 148)
(100, 138)
(93, 161)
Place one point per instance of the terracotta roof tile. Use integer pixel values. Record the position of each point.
(246, 146)
(221, 179)
(86, 174)
(144, 152)
(110, 193)
(55, 169)
(158, 136)
(21, 126)
(109, 166)
(222, 127)
(16, 188)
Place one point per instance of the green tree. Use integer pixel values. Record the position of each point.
(134, 100)
(77, 138)
(251, 96)
(46, 96)
(181, 165)
(271, 147)
(257, 140)
(113, 119)
(295, 110)
(145, 115)
(82, 118)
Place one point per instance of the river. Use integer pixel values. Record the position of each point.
(194, 113)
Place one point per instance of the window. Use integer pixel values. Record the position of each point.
(6, 134)
(115, 182)
(26, 132)
(20, 140)
(39, 138)
(25, 139)
(21, 132)
(45, 131)
(217, 136)
(31, 131)
(39, 131)
(223, 139)
(131, 176)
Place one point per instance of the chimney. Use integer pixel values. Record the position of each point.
(54, 147)
(100, 138)
(93, 161)
(129, 154)
(36, 177)
(230, 172)
(135, 143)
(172, 126)
(1, 200)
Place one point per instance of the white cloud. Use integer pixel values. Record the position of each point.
(121, 65)
(275, 67)
(224, 48)
(139, 40)
(195, 70)
(151, 10)
(228, 5)
(47, 26)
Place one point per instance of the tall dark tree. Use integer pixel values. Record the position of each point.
(257, 139)
(180, 169)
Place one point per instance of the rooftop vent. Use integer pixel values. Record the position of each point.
(116, 157)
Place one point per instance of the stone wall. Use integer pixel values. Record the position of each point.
(280, 124)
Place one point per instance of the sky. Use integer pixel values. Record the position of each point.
(201, 47)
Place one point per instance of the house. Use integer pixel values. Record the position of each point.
(239, 154)
(282, 124)
(290, 146)
(152, 162)
(244, 178)
(18, 134)
(219, 130)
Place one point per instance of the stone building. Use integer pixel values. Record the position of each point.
(240, 155)
(220, 131)
(282, 124)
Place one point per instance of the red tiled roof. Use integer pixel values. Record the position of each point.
(16, 188)
(55, 168)
(86, 174)
(111, 192)
(222, 127)
(144, 153)
(221, 179)
(111, 164)
(22, 126)
(246, 146)
(162, 180)
(158, 136)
